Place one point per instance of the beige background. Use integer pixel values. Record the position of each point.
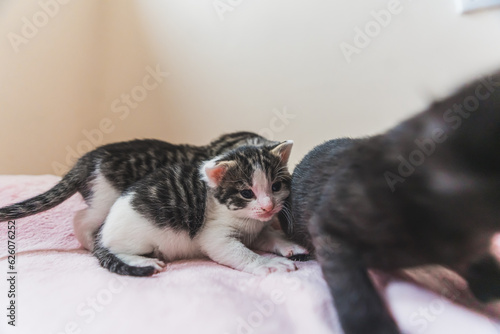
(232, 71)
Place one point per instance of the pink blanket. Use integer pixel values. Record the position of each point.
(61, 288)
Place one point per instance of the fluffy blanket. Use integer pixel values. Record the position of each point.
(60, 288)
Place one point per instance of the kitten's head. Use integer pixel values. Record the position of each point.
(253, 182)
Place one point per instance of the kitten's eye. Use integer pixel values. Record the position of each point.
(276, 186)
(247, 193)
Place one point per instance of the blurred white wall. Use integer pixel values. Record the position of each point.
(275, 67)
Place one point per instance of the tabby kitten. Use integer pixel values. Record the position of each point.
(425, 192)
(103, 174)
(217, 210)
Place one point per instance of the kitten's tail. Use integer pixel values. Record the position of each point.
(111, 262)
(49, 199)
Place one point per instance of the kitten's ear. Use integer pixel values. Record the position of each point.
(283, 150)
(213, 171)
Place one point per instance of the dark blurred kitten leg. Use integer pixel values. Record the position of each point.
(483, 277)
(359, 307)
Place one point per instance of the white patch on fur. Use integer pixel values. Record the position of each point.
(219, 240)
(88, 220)
(141, 261)
(263, 193)
(127, 232)
(225, 238)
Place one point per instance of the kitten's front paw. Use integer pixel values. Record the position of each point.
(274, 264)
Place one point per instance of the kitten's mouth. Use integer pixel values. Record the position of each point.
(265, 216)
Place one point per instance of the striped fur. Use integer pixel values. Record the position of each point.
(182, 211)
(118, 166)
(70, 184)
(173, 196)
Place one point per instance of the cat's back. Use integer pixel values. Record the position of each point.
(125, 163)
(316, 168)
(152, 150)
(172, 196)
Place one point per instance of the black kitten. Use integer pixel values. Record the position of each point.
(425, 192)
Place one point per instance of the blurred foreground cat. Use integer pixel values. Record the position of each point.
(425, 192)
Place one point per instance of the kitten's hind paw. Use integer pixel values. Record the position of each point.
(274, 264)
(142, 261)
(157, 264)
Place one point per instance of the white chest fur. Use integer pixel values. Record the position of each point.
(224, 238)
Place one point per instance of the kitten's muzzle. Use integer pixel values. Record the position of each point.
(267, 215)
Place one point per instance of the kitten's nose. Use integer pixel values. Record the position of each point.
(266, 204)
